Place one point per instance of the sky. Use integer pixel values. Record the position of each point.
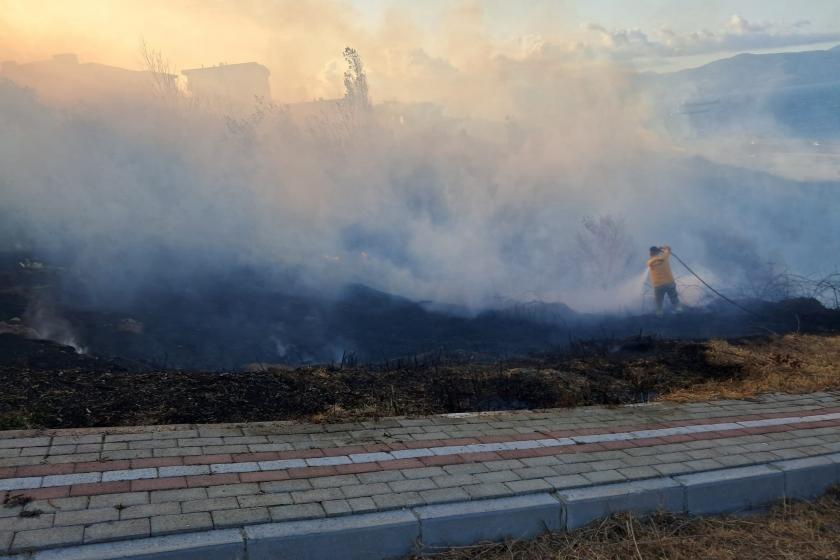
(301, 40)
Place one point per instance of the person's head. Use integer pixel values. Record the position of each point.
(655, 251)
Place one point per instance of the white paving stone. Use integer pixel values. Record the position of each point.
(328, 461)
(70, 479)
(234, 467)
(129, 474)
(20, 483)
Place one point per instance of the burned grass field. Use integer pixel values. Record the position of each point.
(183, 360)
(46, 385)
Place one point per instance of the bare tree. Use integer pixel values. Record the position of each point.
(605, 249)
(164, 79)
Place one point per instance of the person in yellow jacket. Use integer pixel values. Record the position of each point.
(662, 278)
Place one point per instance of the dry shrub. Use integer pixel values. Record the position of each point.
(793, 363)
(800, 531)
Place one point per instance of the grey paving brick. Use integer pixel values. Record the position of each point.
(507, 465)
(362, 505)
(425, 472)
(220, 449)
(789, 454)
(285, 486)
(540, 461)
(468, 468)
(444, 495)
(64, 504)
(175, 451)
(182, 495)
(535, 472)
(361, 490)
(175, 434)
(496, 476)
(703, 464)
(672, 468)
(639, 472)
(25, 452)
(239, 517)
(455, 480)
(126, 454)
(398, 500)
(24, 442)
(335, 481)
(567, 481)
(5, 540)
(301, 511)
(490, 490)
(116, 530)
(648, 460)
(319, 495)
(26, 523)
(75, 458)
(527, 486)
(42, 538)
(574, 468)
(263, 500)
(603, 477)
(412, 485)
(209, 504)
(382, 476)
(337, 507)
(166, 524)
(124, 499)
(86, 516)
(738, 460)
(152, 444)
(233, 490)
(708, 453)
(61, 449)
(150, 510)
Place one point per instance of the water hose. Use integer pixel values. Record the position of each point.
(720, 295)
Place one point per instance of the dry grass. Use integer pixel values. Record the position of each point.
(800, 531)
(792, 363)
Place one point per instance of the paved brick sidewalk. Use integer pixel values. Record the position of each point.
(106, 484)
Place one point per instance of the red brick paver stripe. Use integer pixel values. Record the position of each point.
(467, 451)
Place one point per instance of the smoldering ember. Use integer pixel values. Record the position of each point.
(353, 279)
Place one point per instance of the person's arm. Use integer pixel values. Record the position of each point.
(666, 251)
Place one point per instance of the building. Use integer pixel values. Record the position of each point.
(64, 79)
(236, 84)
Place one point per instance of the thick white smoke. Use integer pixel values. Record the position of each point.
(477, 195)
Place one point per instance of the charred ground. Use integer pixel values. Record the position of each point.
(222, 320)
(48, 385)
(208, 353)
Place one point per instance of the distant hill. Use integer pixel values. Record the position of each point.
(796, 93)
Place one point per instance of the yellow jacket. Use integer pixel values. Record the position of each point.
(660, 269)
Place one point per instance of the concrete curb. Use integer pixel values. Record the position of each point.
(227, 544)
(394, 534)
(391, 534)
(465, 523)
(582, 505)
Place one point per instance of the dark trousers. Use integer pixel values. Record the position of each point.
(660, 292)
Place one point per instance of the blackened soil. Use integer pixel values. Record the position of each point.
(48, 385)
